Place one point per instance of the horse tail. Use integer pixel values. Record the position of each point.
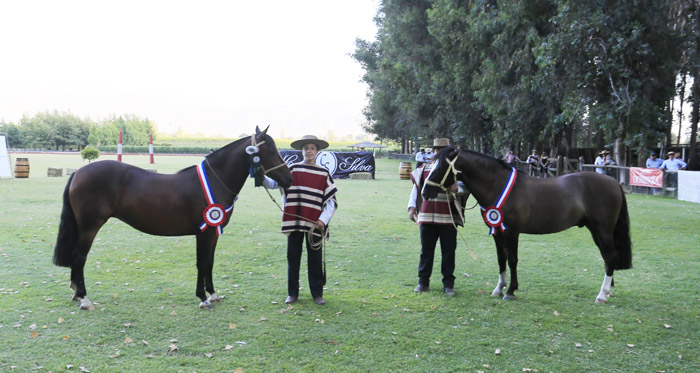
(67, 232)
(623, 242)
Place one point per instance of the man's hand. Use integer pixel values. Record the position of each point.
(320, 224)
(412, 213)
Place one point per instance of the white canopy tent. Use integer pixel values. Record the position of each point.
(5, 164)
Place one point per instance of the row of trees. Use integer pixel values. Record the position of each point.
(59, 130)
(551, 74)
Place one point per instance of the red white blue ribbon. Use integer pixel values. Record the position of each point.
(214, 214)
(493, 216)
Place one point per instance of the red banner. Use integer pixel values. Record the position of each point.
(648, 177)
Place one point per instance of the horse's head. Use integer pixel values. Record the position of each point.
(443, 174)
(270, 159)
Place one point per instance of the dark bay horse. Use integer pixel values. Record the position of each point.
(190, 202)
(513, 203)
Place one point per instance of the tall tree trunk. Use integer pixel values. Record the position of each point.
(680, 110)
(695, 117)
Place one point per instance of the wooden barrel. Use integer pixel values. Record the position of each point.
(22, 168)
(405, 171)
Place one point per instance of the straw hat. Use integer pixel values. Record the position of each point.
(309, 139)
(441, 143)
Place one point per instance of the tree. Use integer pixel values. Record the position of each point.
(89, 153)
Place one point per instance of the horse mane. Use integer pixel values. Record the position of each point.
(221, 150)
(482, 158)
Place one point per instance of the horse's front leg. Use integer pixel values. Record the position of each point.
(206, 242)
(606, 288)
(502, 260)
(510, 240)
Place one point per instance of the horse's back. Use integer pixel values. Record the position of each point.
(150, 202)
(555, 204)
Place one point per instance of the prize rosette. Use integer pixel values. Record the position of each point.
(214, 215)
(493, 217)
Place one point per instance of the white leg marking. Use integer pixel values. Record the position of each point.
(85, 304)
(214, 298)
(604, 290)
(498, 291)
(205, 304)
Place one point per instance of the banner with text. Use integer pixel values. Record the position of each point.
(340, 165)
(647, 177)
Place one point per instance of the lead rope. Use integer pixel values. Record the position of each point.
(449, 205)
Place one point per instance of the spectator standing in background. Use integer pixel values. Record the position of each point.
(544, 166)
(673, 164)
(533, 162)
(600, 161)
(654, 162)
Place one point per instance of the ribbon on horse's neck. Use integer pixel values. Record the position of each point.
(452, 168)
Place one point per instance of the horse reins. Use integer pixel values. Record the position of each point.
(264, 171)
(441, 185)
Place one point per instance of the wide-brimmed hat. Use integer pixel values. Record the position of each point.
(309, 139)
(441, 142)
(669, 153)
(604, 152)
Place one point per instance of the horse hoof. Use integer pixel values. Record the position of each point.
(497, 293)
(214, 298)
(205, 305)
(601, 300)
(86, 305)
(509, 297)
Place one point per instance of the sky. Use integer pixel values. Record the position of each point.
(214, 67)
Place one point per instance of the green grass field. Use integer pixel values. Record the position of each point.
(147, 319)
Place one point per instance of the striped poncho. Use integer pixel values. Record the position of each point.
(440, 210)
(312, 186)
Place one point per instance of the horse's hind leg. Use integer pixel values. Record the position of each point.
(606, 288)
(502, 260)
(77, 276)
(206, 244)
(606, 244)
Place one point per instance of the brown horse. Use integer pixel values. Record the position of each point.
(190, 202)
(514, 203)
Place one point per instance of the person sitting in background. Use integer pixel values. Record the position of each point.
(428, 156)
(420, 158)
(609, 161)
(510, 157)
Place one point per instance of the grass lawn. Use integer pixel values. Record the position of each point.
(147, 319)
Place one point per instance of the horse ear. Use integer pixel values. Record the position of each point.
(257, 130)
(265, 131)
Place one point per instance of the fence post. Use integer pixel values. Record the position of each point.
(580, 164)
